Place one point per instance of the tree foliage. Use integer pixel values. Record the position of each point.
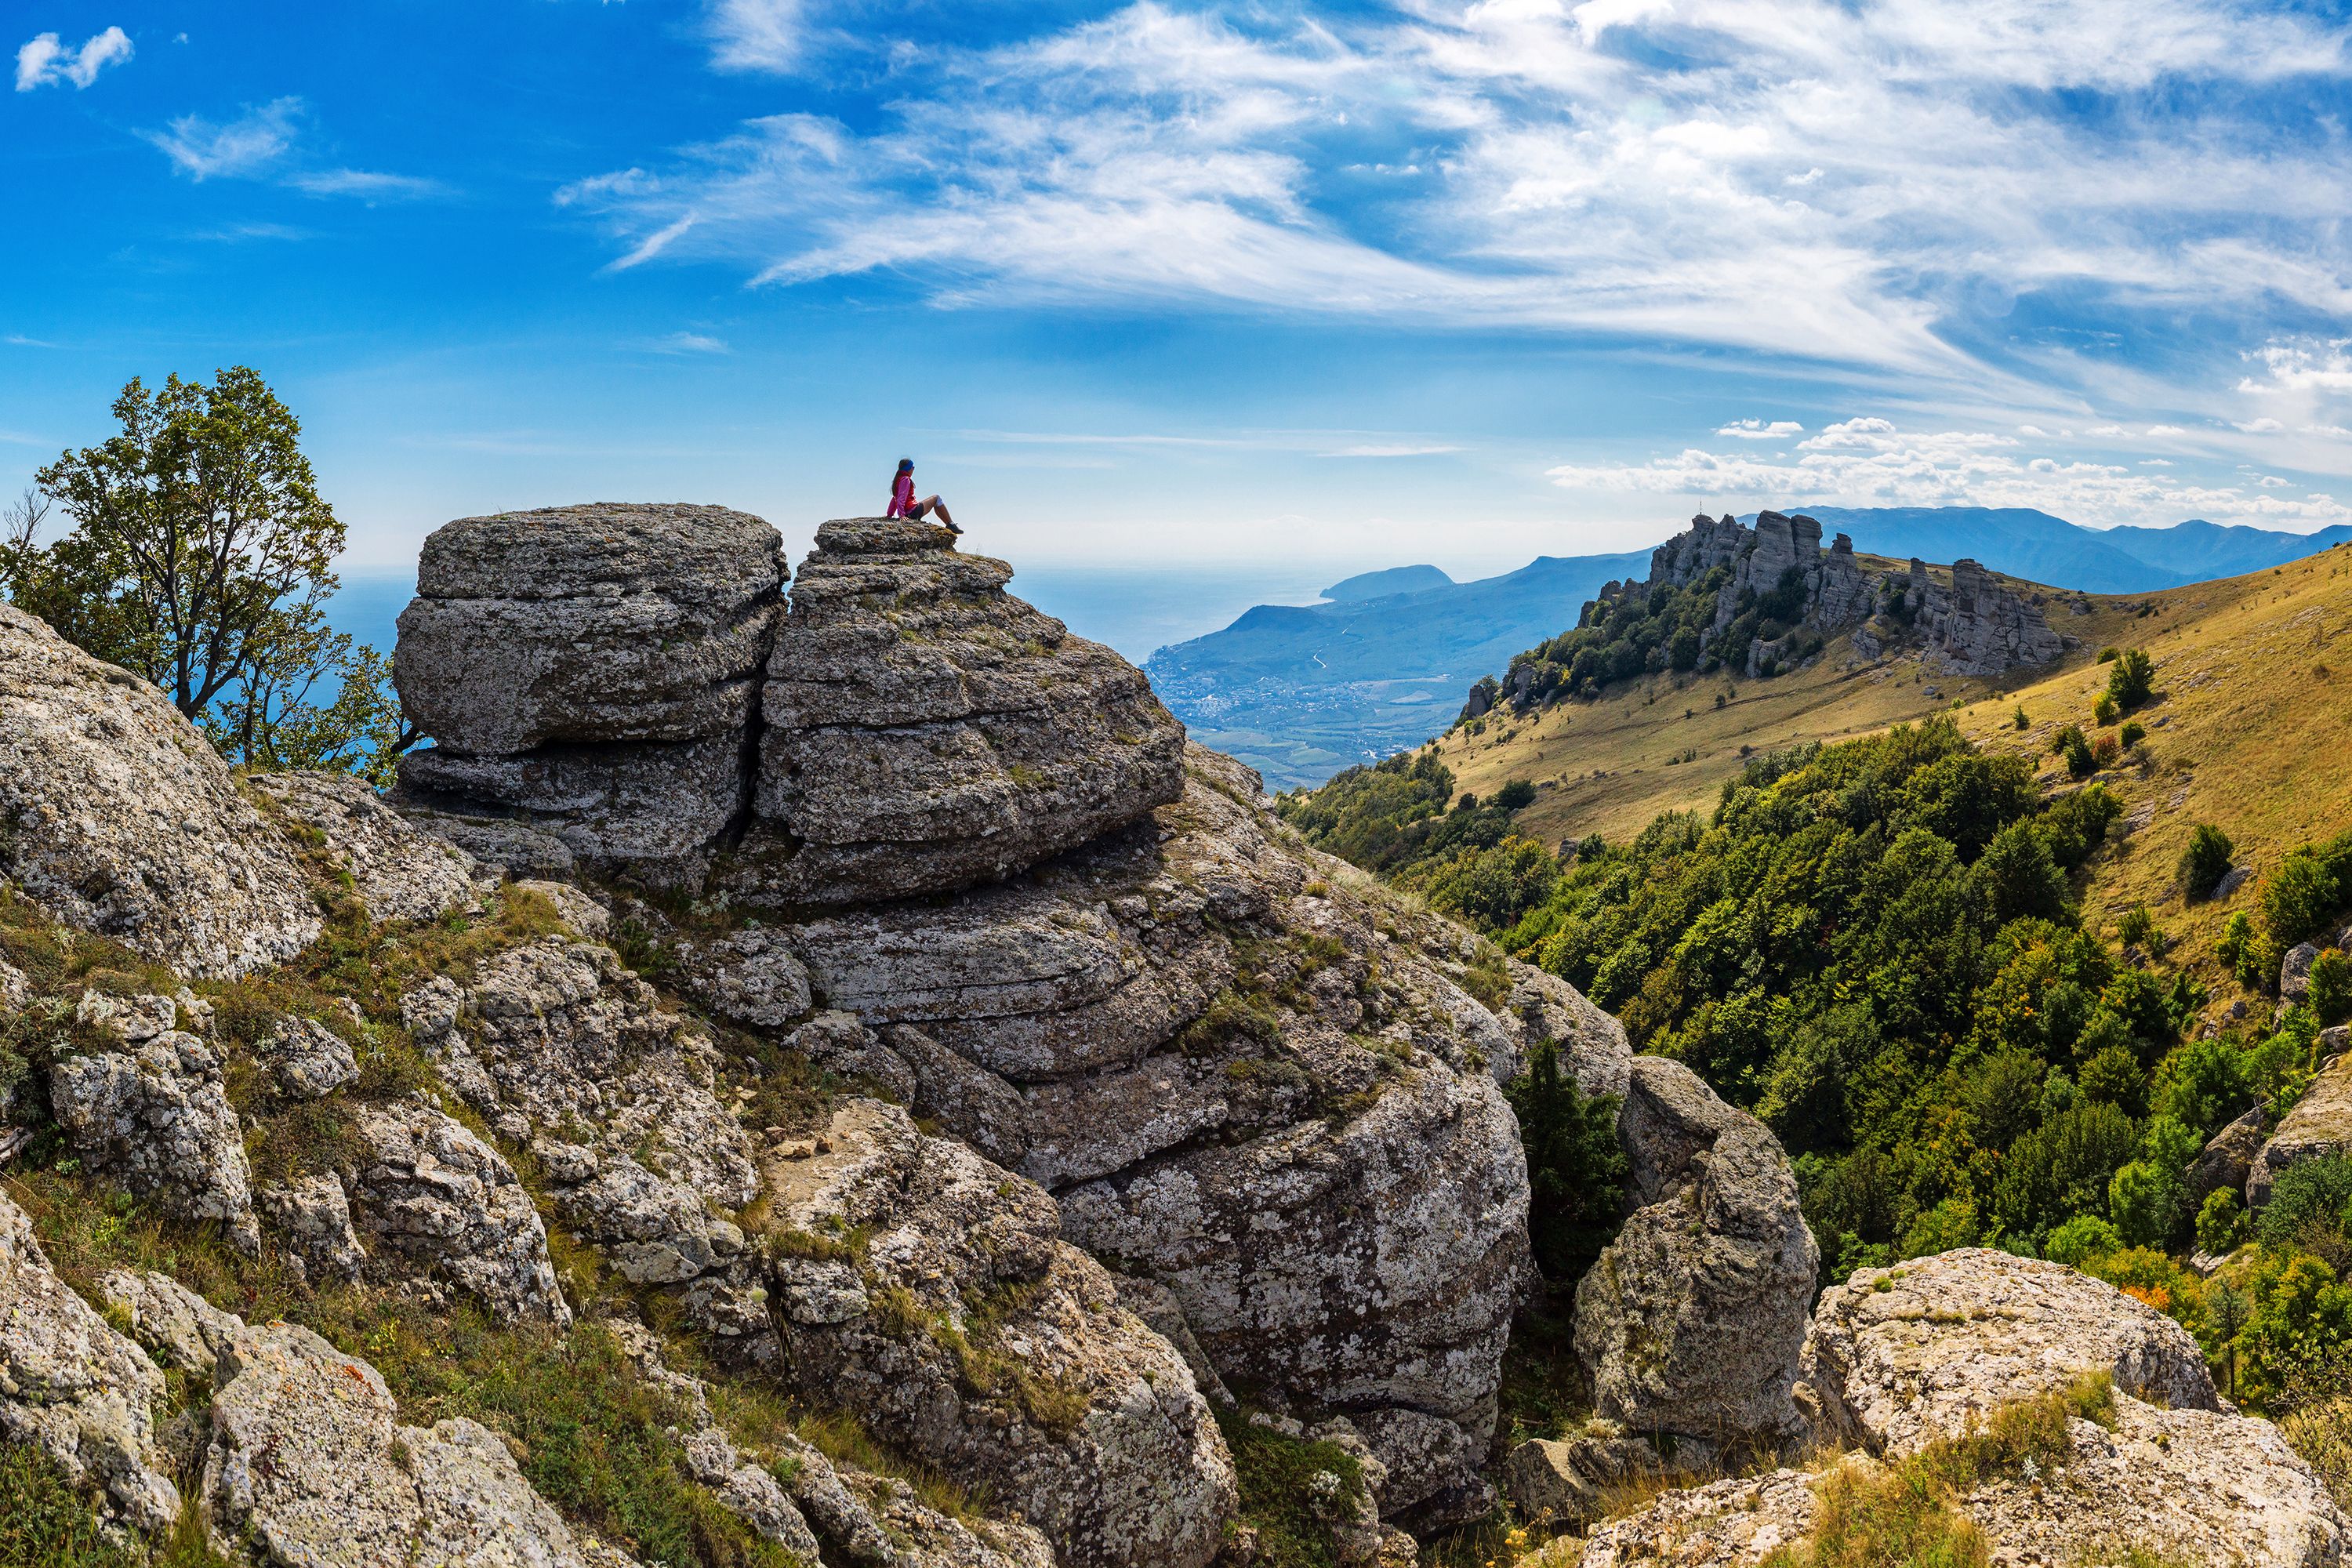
(200, 556)
(1576, 1169)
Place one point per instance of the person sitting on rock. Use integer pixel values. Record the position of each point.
(904, 504)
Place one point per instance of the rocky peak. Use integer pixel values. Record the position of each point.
(923, 730)
(1976, 626)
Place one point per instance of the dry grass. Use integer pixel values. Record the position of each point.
(2248, 731)
(1609, 766)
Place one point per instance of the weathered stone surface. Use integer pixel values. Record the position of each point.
(397, 872)
(313, 1219)
(1899, 1356)
(750, 978)
(2228, 1157)
(2319, 1125)
(309, 1462)
(1692, 1320)
(970, 1333)
(925, 730)
(154, 1116)
(577, 908)
(2194, 1486)
(1980, 627)
(596, 623)
(74, 1388)
(1564, 1483)
(186, 1330)
(654, 809)
(307, 1060)
(559, 1045)
(862, 1520)
(425, 1191)
(500, 845)
(117, 817)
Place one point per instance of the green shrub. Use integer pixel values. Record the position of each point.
(2331, 986)
(2108, 653)
(2205, 862)
(2019, 721)
(2081, 1239)
(2104, 711)
(1515, 795)
(2081, 760)
(1576, 1168)
(2132, 734)
(2221, 1222)
(2132, 679)
(2137, 929)
(2309, 1198)
(2298, 897)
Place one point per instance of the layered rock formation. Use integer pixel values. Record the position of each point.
(925, 730)
(591, 670)
(117, 817)
(1977, 626)
(1902, 1358)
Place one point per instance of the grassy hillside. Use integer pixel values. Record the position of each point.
(1664, 744)
(2250, 730)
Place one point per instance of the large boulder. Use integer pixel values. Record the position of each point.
(449, 1211)
(72, 1387)
(1899, 1356)
(925, 730)
(1692, 1320)
(396, 872)
(932, 1292)
(1907, 1357)
(117, 817)
(309, 1463)
(590, 672)
(152, 1114)
(607, 622)
(2319, 1125)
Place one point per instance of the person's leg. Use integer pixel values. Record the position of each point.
(936, 505)
(915, 511)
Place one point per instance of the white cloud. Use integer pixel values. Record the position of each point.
(1857, 184)
(2261, 426)
(1873, 462)
(2107, 430)
(264, 143)
(2167, 430)
(758, 35)
(248, 145)
(653, 245)
(44, 60)
(368, 183)
(1758, 430)
(690, 344)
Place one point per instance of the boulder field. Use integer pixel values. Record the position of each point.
(869, 999)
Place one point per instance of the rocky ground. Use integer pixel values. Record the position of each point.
(967, 1129)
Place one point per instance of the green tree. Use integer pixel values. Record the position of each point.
(2205, 862)
(201, 556)
(2331, 988)
(2148, 1199)
(1576, 1169)
(2132, 681)
(2298, 897)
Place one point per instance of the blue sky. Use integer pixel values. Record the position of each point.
(1204, 284)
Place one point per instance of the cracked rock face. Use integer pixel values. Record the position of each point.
(309, 1462)
(2319, 1125)
(397, 872)
(590, 672)
(588, 623)
(430, 1193)
(932, 1292)
(1954, 1338)
(117, 817)
(1692, 1320)
(72, 1387)
(154, 1116)
(1951, 1338)
(313, 1219)
(925, 730)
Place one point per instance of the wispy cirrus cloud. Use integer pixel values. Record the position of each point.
(1864, 185)
(264, 143)
(44, 60)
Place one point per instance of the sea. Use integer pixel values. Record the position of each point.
(1134, 609)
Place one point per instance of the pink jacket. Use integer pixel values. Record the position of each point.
(902, 495)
